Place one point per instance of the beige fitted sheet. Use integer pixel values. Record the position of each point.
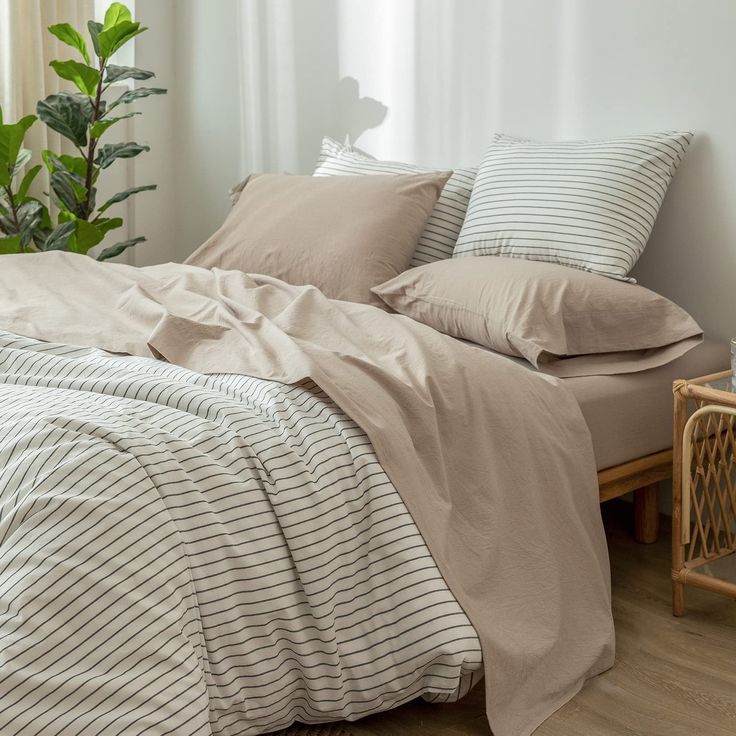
(630, 415)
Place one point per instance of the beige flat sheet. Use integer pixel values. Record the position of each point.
(494, 462)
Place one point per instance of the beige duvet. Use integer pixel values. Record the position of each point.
(494, 462)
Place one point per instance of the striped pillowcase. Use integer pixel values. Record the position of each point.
(586, 204)
(331, 148)
(440, 233)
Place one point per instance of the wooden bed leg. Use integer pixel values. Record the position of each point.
(678, 598)
(646, 514)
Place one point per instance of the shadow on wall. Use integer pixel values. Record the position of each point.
(356, 114)
(306, 92)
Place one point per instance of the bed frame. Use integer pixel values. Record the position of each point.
(641, 476)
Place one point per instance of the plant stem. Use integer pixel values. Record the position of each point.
(93, 144)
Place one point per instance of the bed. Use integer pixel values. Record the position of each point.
(228, 503)
(275, 484)
(351, 528)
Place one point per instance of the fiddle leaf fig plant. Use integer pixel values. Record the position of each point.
(22, 218)
(83, 118)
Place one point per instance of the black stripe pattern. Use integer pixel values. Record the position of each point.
(586, 204)
(188, 554)
(443, 227)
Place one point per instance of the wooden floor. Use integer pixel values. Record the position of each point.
(672, 677)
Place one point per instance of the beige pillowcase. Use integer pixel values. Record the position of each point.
(544, 312)
(341, 234)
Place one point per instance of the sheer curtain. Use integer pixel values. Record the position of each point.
(26, 48)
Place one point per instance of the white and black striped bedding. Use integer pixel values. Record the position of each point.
(192, 554)
(586, 204)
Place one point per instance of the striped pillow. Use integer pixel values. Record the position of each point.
(586, 204)
(440, 234)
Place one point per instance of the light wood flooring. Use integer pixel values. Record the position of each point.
(672, 677)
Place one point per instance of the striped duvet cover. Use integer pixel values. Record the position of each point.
(193, 554)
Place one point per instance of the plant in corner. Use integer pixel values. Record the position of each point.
(82, 117)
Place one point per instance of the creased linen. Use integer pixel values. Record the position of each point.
(494, 463)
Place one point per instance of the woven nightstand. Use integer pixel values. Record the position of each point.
(704, 487)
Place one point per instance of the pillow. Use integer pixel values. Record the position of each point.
(540, 311)
(586, 204)
(331, 148)
(342, 235)
(440, 234)
(237, 189)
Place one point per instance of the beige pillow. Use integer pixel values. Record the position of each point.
(341, 234)
(541, 311)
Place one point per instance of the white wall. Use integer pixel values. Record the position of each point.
(153, 213)
(258, 82)
(206, 126)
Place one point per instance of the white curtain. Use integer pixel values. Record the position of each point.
(292, 86)
(26, 48)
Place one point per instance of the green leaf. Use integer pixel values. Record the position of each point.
(101, 126)
(75, 164)
(7, 225)
(42, 230)
(118, 73)
(85, 77)
(29, 216)
(28, 211)
(118, 248)
(64, 193)
(94, 29)
(68, 114)
(112, 38)
(116, 13)
(26, 122)
(106, 224)
(11, 140)
(135, 94)
(112, 151)
(70, 191)
(122, 196)
(60, 236)
(87, 236)
(10, 245)
(27, 180)
(68, 35)
(45, 222)
(24, 156)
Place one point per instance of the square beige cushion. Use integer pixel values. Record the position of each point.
(343, 234)
(440, 234)
(545, 313)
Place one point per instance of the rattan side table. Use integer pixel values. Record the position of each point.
(704, 487)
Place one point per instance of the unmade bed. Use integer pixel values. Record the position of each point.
(214, 545)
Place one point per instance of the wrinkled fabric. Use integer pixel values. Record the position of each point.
(493, 462)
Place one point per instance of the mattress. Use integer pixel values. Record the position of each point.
(630, 415)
